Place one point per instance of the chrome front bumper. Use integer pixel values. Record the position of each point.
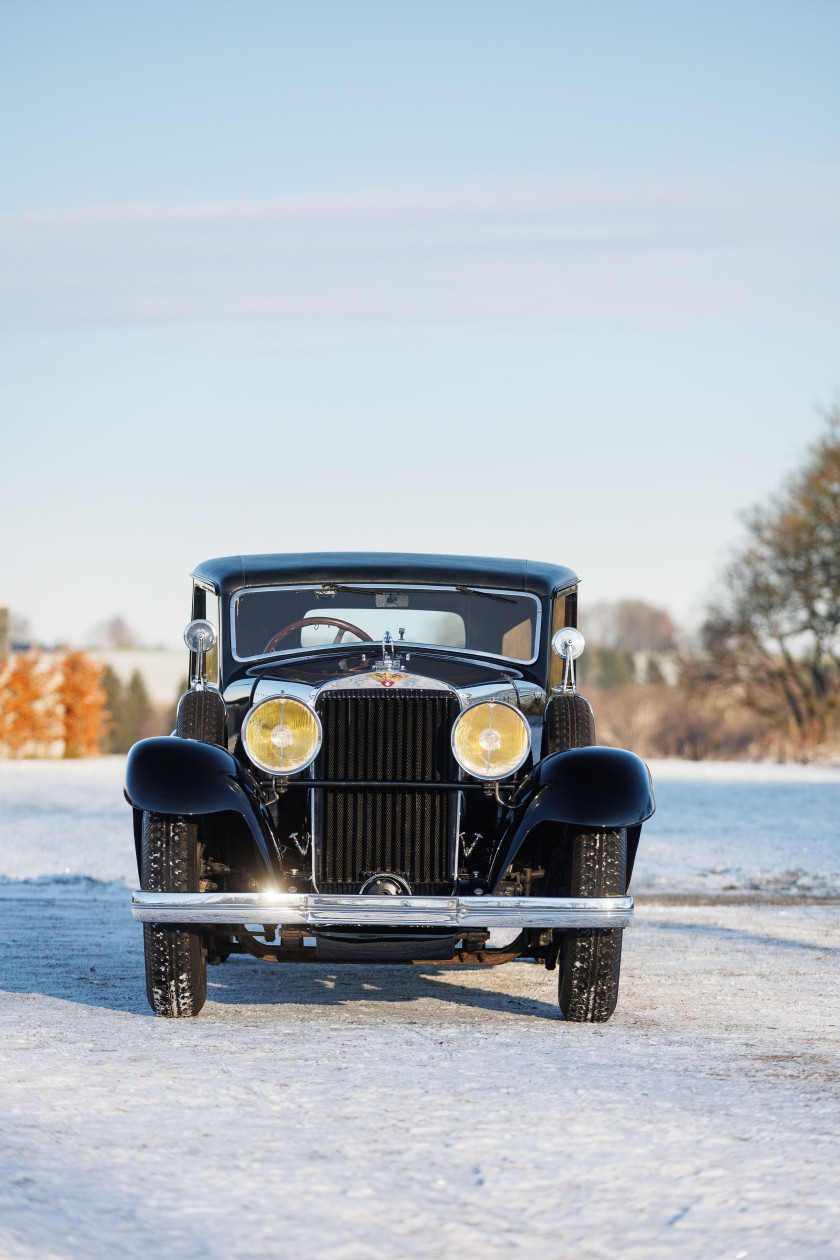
(294, 909)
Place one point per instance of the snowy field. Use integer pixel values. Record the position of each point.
(719, 826)
(360, 1113)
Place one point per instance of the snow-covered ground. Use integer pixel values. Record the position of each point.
(742, 827)
(65, 818)
(718, 826)
(364, 1112)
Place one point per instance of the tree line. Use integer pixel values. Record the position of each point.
(763, 678)
(71, 706)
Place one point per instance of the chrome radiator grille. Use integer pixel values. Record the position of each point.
(377, 734)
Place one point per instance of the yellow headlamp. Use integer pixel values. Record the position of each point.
(491, 740)
(282, 735)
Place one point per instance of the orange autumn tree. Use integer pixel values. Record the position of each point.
(29, 721)
(82, 698)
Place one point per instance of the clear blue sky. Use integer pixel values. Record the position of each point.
(546, 279)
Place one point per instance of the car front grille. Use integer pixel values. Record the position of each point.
(376, 734)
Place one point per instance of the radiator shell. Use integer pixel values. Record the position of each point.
(377, 734)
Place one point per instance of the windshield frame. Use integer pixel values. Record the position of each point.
(477, 591)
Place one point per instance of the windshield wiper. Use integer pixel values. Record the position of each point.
(329, 589)
(470, 590)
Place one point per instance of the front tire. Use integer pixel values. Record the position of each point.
(176, 966)
(202, 715)
(590, 960)
(568, 722)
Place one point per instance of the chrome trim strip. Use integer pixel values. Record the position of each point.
(355, 909)
(395, 586)
(390, 679)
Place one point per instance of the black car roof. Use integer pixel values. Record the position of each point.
(232, 573)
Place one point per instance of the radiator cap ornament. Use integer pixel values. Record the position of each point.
(388, 678)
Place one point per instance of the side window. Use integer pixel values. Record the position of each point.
(564, 613)
(206, 605)
(518, 642)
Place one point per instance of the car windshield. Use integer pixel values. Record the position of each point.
(271, 620)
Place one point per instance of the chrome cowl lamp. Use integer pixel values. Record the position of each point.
(568, 644)
(200, 638)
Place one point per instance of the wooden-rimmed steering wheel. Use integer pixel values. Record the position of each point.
(341, 626)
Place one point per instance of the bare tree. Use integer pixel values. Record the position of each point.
(113, 633)
(774, 637)
(630, 625)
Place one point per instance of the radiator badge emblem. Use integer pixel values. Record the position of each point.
(388, 678)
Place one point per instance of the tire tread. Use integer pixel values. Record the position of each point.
(176, 969)
(568, 722)
(202, 715)
(591, 959)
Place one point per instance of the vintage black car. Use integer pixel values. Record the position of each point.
(384, 759)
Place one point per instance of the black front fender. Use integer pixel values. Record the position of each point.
(590, 788)
(170, 775)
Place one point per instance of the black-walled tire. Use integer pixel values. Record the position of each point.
(568, 722)
(176, 967)
(201, 715)
(590, 960)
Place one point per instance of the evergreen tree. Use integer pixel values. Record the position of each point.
(129, 710)
(606, 667)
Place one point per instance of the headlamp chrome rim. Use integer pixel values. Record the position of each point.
(500, 704)
(262, 765)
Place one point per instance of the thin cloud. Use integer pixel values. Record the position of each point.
(571, 252)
